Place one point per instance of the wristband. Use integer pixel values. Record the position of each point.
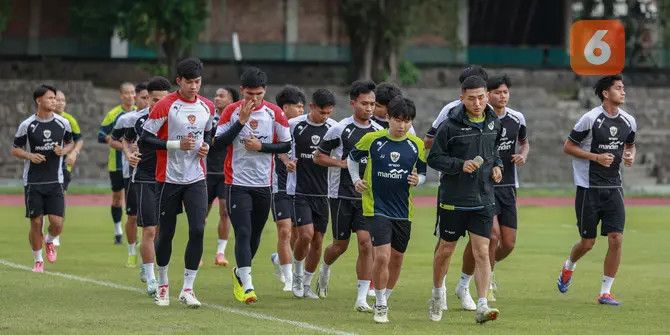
(173, 145)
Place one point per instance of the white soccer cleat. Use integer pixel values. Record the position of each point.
(187, 297)
(274, 259)
(322, 284)
(288, 286)
(463, 293)
(434, 309)
(362, 306)
(298, 287)
(381, 314)
(308, 293)
(443, 301)
(152, 287)
(143, 274)
(162, 297)
(486, 313)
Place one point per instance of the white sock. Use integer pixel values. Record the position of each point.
(37, 256)
(607, 285)
(464, 281)
(438, 292)
(570, 265)
(387, 293)
(363, 287)
(381, 297)
(221, 246)
(131, 249)
(444, 281)
(163, 275)
(308, 279)
(117, 228)
(482, 302)
(49, 238)
(149, 271)
(189, 278)
(287, 271)
(245, 276)
(299, 267)
(325, 269)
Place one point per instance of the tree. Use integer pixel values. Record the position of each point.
(5, 14)
(171, 26)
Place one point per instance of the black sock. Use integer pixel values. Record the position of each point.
(117, 213)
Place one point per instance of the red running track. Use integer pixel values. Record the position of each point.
(424, 201)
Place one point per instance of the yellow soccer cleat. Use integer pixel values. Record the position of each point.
(238, 291)
(132, 261)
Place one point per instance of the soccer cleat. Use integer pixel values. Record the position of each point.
(152, 287)
(57, 241)
(238, 291)
(362, 306)
(162, 298)
(486, 313)
(490, 295)
(274, 259)
(371, 290)
(434, 309)
(250, 296)
(322, 284)
(298, 286)
(608, 299)
(51, 252)
(443, 300)
(381, 314)
(463, 293)
(117, 239)
(220, 260)
(38, 267)
(132, 261)
(308, 293)
(187, 297)
(143, 274)
(564, 280)
(288, 286)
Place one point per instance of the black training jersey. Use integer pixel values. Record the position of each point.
(382, 122)
(309, 178)
(39, 136)
(598, 132)
(215, 158)
(146, 168)
(338, 142)
(513, 130)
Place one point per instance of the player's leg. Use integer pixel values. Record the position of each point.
(305, 227)
(507, 220)
(131, 223)
(450, 228)
(195, 204)
(147, 218)
(341, 214)
(116, 179)
(34, 213)
(381, 231)
(318, 214)
(54, 207)
(282, 260)
(240, 209)
(399, 241)
(586, 210)
(223, 231)
(169, 203)
(364, 260)
(613, 221)
(479, 225)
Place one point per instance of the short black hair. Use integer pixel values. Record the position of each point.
(289, 94)
(234, 94)
(385, 92)
(473, 70)
(140, 87)
(42, 90)
(158, 83)
(323, 98)
(190, 68)
(401, 108)
(605, 83)
(473, 82)
(361, 87)
(495, 82)
(253, 77)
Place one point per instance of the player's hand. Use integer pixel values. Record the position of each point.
(134, 159)
(470, 166)
(496, 174)
(290, 165)
(252, 143)
(605, 159)
(58, 150)
(37, 158)
(519, 159)
(108, 139)
(204, 149)
(133, 147)
(71, 158)
(413, 179)
(245, 111)
(628, 158)
(361, 186)
(343, 164)
(187, 143)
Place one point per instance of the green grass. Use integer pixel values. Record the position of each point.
(528, 299)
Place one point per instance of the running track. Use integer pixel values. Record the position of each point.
(104, 200)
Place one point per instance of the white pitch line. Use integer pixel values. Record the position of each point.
(231, 310)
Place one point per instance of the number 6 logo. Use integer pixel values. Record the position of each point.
(597, 47)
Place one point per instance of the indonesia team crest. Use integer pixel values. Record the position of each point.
(191, 118)
(614, 130)
(491, 125)
(395, 156)
(504, 132)
(47, 133)
(316, 139)
(253, 123)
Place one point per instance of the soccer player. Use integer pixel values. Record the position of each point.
(143, 179)
(179, 127)
(291, 100)
(345, 203)
(465, 151)
(215, 182)
(309, 182)
(395, 161)
(41, 141)
(141, 96)
(71, 158)
(115, 160)
(384, 92)
(252, 130)
(601, 140)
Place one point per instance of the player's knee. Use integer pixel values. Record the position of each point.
(588, 243)
(615, 240)
(445, 249)
(508, 244)
(196, 232)
(382, 259)
(339, 247)
(305, 235)
(148, 234)
(365, 246)
(284, 233)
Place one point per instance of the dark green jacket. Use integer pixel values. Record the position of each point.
(456, 141)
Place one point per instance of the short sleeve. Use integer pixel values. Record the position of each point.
(157, 116)
(21, 136)
(331, 140)
(581, 129)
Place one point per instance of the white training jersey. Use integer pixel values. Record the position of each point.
(126, 120)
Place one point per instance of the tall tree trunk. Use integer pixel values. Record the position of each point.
(393, 64)
(368, 59)
(172, 54)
